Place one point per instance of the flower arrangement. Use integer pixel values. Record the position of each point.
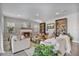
(10, 29)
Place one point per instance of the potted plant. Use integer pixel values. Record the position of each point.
(45, 50)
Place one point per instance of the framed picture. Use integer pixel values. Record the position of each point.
(61, 26)
(50, 26)
(42, 27)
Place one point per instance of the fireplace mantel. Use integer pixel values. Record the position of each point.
(25, 31)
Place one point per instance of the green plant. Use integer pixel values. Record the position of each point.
(45, 50)
(10, 29)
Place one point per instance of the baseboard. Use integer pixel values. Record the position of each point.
(75, 41)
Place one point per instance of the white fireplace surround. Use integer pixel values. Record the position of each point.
(26, 30)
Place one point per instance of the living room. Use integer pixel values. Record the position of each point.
(24, 26)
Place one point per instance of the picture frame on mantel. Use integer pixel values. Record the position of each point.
(61, 26)
(50, 26)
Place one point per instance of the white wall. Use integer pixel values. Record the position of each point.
(0, 28)
(72, 25)
(78, 25)
(1, 32)
(18, 23)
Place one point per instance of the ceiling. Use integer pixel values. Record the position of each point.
(38, 10)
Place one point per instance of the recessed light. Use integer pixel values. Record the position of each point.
(37, 14)
(19, 15)
(57, 13)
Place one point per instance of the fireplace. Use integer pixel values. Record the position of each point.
(26, 32)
